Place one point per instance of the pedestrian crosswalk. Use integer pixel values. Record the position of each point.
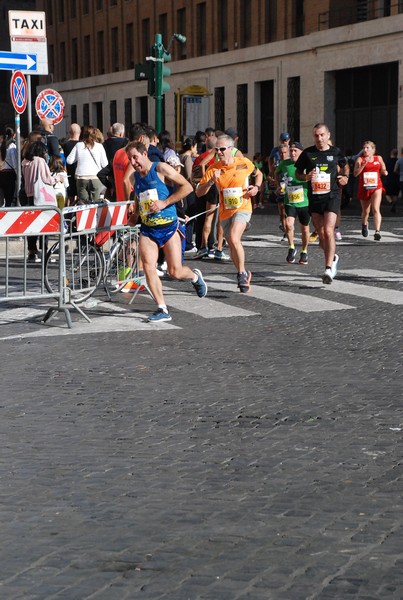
(295, 290)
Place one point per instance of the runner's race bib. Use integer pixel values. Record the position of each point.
(321, 183)
(370, 180)
(145, 199)
(233, 197)
(295, 194)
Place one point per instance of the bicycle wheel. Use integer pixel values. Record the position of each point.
(84, 270)
(121, 264)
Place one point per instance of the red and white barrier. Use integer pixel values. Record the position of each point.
(99, 217)
(32, 222)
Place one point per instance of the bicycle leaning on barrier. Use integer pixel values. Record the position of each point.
(107, 259)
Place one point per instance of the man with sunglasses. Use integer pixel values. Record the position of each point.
(231, 176)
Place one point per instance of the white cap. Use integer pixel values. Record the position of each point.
(174, 161)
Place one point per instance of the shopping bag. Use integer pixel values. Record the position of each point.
(44, 194)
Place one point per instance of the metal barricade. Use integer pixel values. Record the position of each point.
(21, 280)
(97, 250)
(84, 248)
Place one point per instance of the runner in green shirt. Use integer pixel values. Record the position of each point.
(296, 203)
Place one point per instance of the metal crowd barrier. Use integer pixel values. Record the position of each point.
(89, 247)
(20, 280)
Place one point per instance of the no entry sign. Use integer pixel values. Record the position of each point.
(19, 93)
(49, 104)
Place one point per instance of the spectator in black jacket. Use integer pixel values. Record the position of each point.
(46, 129)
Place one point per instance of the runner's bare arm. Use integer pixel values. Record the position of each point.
(182, 187)
(212, 177)
(254, 189)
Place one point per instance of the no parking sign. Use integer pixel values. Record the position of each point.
(50, 105)
(19, 94)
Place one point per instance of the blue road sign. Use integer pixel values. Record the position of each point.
(12, 61)
(19, 95)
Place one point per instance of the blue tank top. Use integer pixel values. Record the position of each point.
(150, 188)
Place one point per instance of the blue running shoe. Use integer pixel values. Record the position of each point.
(159, 316)
(244, 281)
(200, 285)
(202, 253)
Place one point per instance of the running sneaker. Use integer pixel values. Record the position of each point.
(313, 237)
(202, 253)
(334, 265)
(200, 285)
(211, 253)
(220, 256)
(337, 235)
(244, 281)
(364, 230)
(327, 276)
(292, 253)
(158, 316)
(377, 236)
(33, 258)
(303, 259)
(191, 252)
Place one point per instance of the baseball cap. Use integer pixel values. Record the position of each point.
(284, 136)
(297, 145)
(232, 132)
(174, 161)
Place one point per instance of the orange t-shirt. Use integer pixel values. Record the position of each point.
(232, 184)
(120, 164)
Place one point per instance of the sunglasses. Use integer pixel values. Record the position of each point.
(223, 148)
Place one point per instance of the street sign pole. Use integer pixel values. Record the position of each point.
(18, 144)
(28, 78)
(19, 98)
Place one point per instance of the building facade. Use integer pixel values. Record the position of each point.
(261, 66)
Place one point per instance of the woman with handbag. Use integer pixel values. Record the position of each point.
(8, 166)
(34, 168)
(90, 157)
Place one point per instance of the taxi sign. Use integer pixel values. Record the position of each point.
(19, 94)
(50, 105)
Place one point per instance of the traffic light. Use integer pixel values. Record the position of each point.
(155, 70)
(146, 71)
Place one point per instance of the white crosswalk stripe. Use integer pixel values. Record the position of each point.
(299, 302)
(203, 307)
(339, 286)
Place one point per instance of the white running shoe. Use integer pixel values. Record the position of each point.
(327, 276)
(334, 265)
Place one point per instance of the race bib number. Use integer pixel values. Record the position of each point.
(321, 183)
(145, 199)
(370, 180)
(295, 194)
(233, 197)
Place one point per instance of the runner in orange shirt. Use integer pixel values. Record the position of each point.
(231, 176)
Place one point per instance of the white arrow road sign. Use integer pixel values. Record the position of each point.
(13, 62)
